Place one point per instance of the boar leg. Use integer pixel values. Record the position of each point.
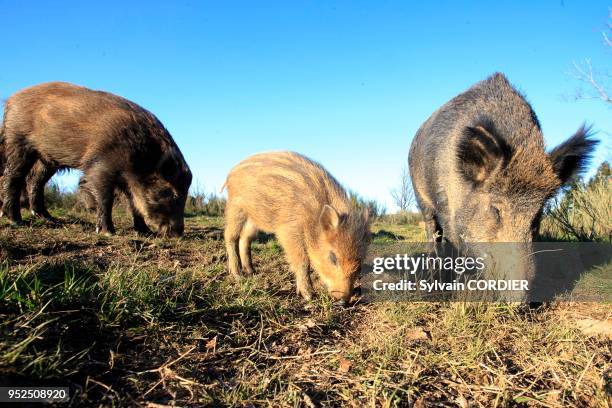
(249, 232)
(103, 189)
(18, 166)
(432, 227)
(235, 220)
(433, 230)
(140, 226)
(298, 262)
(36, 181)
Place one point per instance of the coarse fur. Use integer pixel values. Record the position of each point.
(480, 171)
(24, 199)
(295, 198)
(116, 143)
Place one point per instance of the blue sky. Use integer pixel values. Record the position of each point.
(347, 83)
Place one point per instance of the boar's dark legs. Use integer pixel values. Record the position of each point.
(432, 226)
(104, 220)
(235, 220)
(140, 226)
(249, 232)
(37, 180)
(103, 183)
(298, 262)
(18, 164)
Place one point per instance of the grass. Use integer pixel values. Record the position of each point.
(584, 212)
(128, 321)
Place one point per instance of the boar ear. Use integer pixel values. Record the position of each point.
(329, 218)
(481, 153)
(571, 157)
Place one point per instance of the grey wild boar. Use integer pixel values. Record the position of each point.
(309, 212)
(481, 174)
(116, 143)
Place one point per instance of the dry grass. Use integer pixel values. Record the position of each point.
(584, 213)
(131, 321)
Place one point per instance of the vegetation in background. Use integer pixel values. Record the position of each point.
(596, 81)
(200, 203)
(375, 209)
(403, 218)
(56, 198)
(583, 212)
(403, 195)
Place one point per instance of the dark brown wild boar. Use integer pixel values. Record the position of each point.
(116, 143)
(481, 174)
(309, 212)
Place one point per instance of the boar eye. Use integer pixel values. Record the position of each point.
(167, 193)
(332, 258)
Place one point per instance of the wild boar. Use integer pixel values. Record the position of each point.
(480, 171)
(309, 212)
(116, 143)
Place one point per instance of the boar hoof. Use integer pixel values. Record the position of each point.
(44, 215)
(104, 231)
(144, 232)
(305, 292)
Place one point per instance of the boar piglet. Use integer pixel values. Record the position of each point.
(481, 173)
(309, 212)
(114, 142)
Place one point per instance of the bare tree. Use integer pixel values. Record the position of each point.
(403, 195)
(597, 81)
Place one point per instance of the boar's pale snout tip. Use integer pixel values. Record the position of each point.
(341, 303)
(170, 231)
(341, 299)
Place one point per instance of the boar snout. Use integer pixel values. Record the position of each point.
(342, 297)
(510, 261)
(341, 291)
(172, 229)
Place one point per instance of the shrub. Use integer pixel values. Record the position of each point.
(583, 212)
(200, 203)
(56, 198)
(403, 218)
(375, 209)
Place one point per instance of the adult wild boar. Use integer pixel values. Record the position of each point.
(309, 212)
(481, 174)
(116, 143)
